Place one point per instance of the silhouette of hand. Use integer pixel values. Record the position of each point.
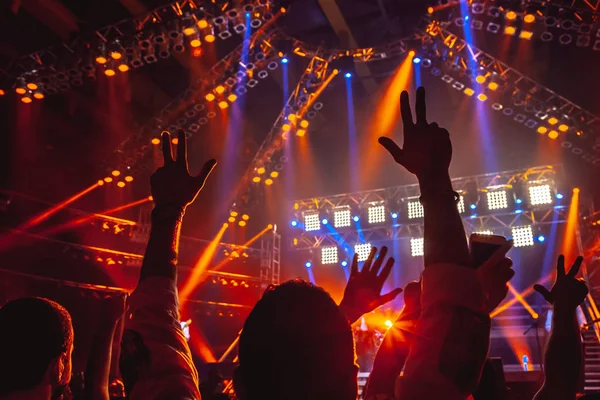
(172, 183)
(494, 275)
(568, 291)
(363, 290)
(427, 149)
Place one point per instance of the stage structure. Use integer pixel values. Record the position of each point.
(510, 203)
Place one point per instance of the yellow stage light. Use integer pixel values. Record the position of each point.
(242, 223)
(260, 170)
(202, 24)
(209, 38)
(2, 92)
(529, 18)
(511, 15)
(245, 217)
(411, 53)
(480, 79)
(482, 97)
(553, 134)
(300, 132)
(286, 127)
(195, 43)
(115, 55)
(108, 179)
(576, 190)
(220, 89)
(231, 219)
(542, 130)
(155, 141)
(510, 30)
(20, 90)
(101, 60)
(189, 31)
(26, 99)
(123, 67)
(429, 10)
(552, 121)
(256, 179)
(526, 35)
(232, 97)
(304, 124)
(209, 97)
(129, 178)
(292, 117)
(109, 72)
(274, 174)
(100, 182)
(233, 213)
(32, 86)
(121, 184)
(492, 86)
(268, 181)
(116, 173)
(223, 104)
(469, 92)
(175, 140)
(38, 95)
(563, 128)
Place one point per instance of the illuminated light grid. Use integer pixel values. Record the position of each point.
(342, 218)
(461, 205)
(312, 222)
(522, 236)
(415, 210)
(363, 250)
(539, 195)
(417, 247)
(497, 200)
(329, 255)
(376, 214)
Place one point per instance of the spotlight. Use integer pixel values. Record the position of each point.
(416, 60)
(559, 196)
(232, 97)
(304, 124)
(308, 264)
(417, 246)
(356, 218)
(260, 170)
(540, 195)
(344, 263)
(312, 222)
(388, 323)
(109, 72)
(363, 250)
(256, 179)
(116, 173)
(220, 89)
(223, 105)
(284, 60)
(553, 134)
(294, 223)
(121, 184)
(101, 60)
(518, 201)
(497, 200)
(274, 174)
(341, 217)
(268, 181)
(348, 75)
(209, 97)
(32, 86)
(541, 238)
(129, 178)
(108, 179)
(473, 206)
(324, 221)
(38, 95)
(415, 210)
(329, 255)
(155, 141)
(376, 214)
(123, 67)
(245, 217)
(522, 236)
(242, 223)
(394, 215)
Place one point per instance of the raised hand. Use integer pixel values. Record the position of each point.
(427, 149)
(172, 183)
(363, 290)
(568, 291)
(494, 276)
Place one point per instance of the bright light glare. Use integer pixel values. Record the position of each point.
(376, 214)
(522, 236)
(486, 232)
(461, 205)
(417, 247)
(312, 222)
(341, 218)
(497, 200)
(329, 255)
(539, 195)
(415, 210)
(348, 75)
(363, 250)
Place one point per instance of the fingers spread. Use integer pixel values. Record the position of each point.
(421, 106)
(385, 272)
(354, 267)
(392, 148)
(181, 147)
(367, 265)
(378, 261)
(544, 292)
(560, 266)
(407, 119)
(575, 268)
(386, 298)
(206, 170)
(166, 147)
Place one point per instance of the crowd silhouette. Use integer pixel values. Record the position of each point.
(297, 343)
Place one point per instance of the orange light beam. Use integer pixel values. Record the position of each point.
(201, 265)
(521, 300)
(317, 93)
(200, 345)
(569, 247)
(245, 245)
(46, 214)
(503, 307)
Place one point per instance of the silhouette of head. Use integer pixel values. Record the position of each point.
(296, 344)
(36, 343)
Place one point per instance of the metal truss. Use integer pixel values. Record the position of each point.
(499, 224)
(584, 10)
(515, 95)
(270, 262)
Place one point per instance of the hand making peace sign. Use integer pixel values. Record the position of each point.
(568, 291)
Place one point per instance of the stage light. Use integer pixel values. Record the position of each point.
(100, 182)
(356, 218)
(32, 86)
(553, 134)
(348, 75)
(286, 127)
(461, 204)
(363, 250)
(116, 55)
(482, 97)
(312, 222)
(324, 221)
(274, 174)
(415, 210)
(329, 255)
(2, 92)
(552, 121)
(195, 43)
(108, 179)
(469, 92)
(492, 86)
(417, 247)
(388, 323)
(268, 181)
(308, 264)
(220, 89)
(20, 90)
(559, 196)
(416, 60)
(189, 31)
(541, 238)
(480, 79)
(473, 206)
(231, 219)
(123, 67)
(430, 10)
(376, 214)
(202, 24)
(540, 195)
(101, 60)
(129, 178)
(155, 141)
(260, 170)
(526, 35)
(300, 132)
(485, 232)
(510, 30)
(109, 72)
(497, 200)
(394, 215)
(209, 97)
(209, 38)
(245, 217)
(341, 217)
(511, 15)
(518, 211)
(256, 179)
(38, 95)
(284, 60)
(518, 201)
(522, 236)
(197, 52)
(542, 130)
(232, 97)
(529, 18)
(294, 223)
(223, 105)
(115, 173)
(344, 263)
(563, 128)
(121, 184)
(292, 117)
(304, 124)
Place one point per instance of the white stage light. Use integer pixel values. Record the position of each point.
(376, 214)
(312, 222)
(522, 236)
(540, 194)
(486, 232)
(329, 255)
(363, 250)
(417, 247)
(342, 217)
(415, 210)
(461, 205)
(497, 200)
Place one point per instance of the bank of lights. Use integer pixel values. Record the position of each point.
(376, 214)
(342, 218)
(497, 200)
(415, 210)
(417, 247)
(329, 255)
(312, 222)
(522, 236)
(540, 195)
(363, 250)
